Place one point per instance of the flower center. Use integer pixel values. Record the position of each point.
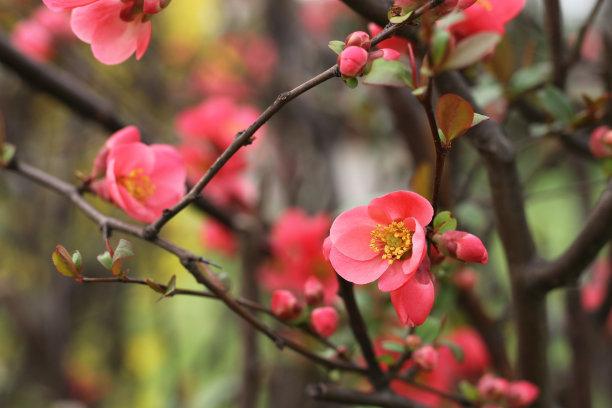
(393, 241)
(138, 184)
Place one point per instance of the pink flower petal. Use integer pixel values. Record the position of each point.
(355, 243)
(350, 219)
(414, 300)
(419, 247)
(169, 167)
(85, 20)
(400, 205)
(114, 40)
(144, 37)
(359, 272)
(132, 156)
(58, 5)
(393, 278)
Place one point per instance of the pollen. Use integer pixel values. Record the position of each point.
(138, 184)
(392, 241)
(486, 4)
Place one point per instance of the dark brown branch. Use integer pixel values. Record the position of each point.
(582, 33)
(386, 399)
(360, 331)
(554, 28)
(74, 94)
(567, 268)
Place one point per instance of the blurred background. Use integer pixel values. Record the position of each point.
(69, 345)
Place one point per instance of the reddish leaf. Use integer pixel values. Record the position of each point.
(454, 115)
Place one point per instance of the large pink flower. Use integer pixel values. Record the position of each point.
(487, 16)
(384, 240)
(142, 180)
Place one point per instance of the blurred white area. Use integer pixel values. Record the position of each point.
(576, 9)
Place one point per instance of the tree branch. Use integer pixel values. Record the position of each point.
(386, 399)
(582, 33)
(554, 28)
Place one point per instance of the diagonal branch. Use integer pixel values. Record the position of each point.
(386, 399)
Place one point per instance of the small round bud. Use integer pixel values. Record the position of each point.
(426, 357)
(324, 320)
(285, 305)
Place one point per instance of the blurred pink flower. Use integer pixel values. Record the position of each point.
(600, 142)
(487, 16)
(476, 357)
(142, 180)
(218, 237)
(38, 35)
(522, 394)
(426, 357)
(324, 320)
(285, 305)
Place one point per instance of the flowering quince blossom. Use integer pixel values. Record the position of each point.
(115, 29)
(206, 131)
(38, 35)
(426, 357)
(324, 320)
(487, 16)
(297, 261)
(355, 57)
(600, 142)
(516, 394)
(386, 241)
(216, 236)
(285, 305)
(593, 292)
(142, 180)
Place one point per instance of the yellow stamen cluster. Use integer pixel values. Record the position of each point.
(138, 184)
(393, 241)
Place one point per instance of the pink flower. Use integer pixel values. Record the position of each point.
(600, 142)
(352, 61)
(142, 180)
(217, 237)
(295, 242)
(426, 357)
(285, 305)
(489, 16)
(491, 387)
(114, 29)
(313, 290)
(465, 279)
(324, 320)
(476, 357)
(129, 134)
(594, 291)
(398, 44)
(464, 246)
(522, 394)
(34, 40)
(382, 241)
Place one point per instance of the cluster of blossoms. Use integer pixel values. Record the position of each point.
(497, 392)
(115, 29)
(386, 241)
(298, 266)
(356, 55)
(140, 179)
(39, 35)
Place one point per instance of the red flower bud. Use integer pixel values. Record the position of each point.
(352, 61)
(358, 39)
(285, 305)
(324, 320)
(522, 393)
(464, 246)
(426, 357)
(313, 291)
(491, 387)
(600, 142)
(465, 279)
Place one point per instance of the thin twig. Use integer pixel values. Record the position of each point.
(582, 34)
(386, 399)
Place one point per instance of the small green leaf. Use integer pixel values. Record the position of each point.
(123, 250)
(468, 390)
(478, 119)
(170, 286)
(394, 346)
(557, 104)
(439, 46)
(386, 359)
(63, 262)
(454, 115)
(419, 91)
(529, 78)
(444, 221)
(77, 259)
(336, 46)
(455, 349)
(106, 260)
(350, 82)
(429, 330)
(397, 19)
(471, 50)
(388, 73)
(7, 153)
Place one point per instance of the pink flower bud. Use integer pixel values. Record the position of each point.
(491, 387)
(600, 142)
(426, 357)
(522, 393)
(413, 341)
(465, 279)
(465, 247)
(313, 291)
(324, 320)
(285, 305)
(358, 39)
(352, 61)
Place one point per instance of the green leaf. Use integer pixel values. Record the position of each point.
(7, 153)
(429, 330)
(63, 262)
(557, 104)
(350, 82)
(468, 390)
(439, 46)
(386, 359)
(336, 46)
(77, 259)
(394, 346)
(154, 285)
(405, 14)
(528, 78)
(444, 221)
(388, 73)
(454, 116)
(106, 260)
(471, 50)
(123, 250)
(170, 288)
(478, 119)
